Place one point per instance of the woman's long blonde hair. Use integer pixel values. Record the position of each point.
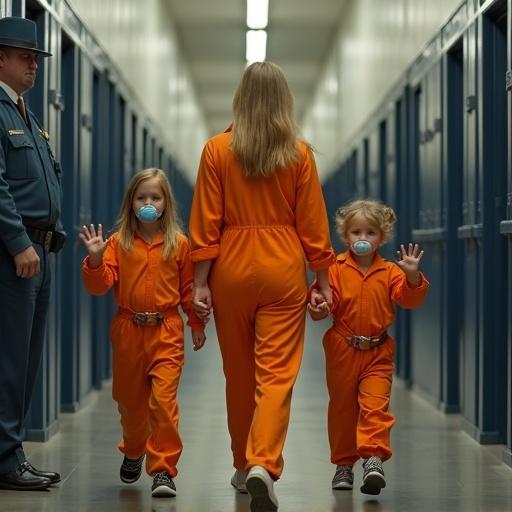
(126, 223)
(264, 130)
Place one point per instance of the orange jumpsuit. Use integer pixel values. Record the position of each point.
(359, 381)
(259, 231)
(147, 360)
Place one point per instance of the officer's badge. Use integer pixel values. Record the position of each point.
(44, 134)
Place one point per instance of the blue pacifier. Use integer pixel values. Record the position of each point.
(148, 214)
(362, 248)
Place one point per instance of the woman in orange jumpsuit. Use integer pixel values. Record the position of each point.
(147, 261)
(358, 350)
(257, 215)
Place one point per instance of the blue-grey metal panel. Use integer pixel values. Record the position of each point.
(508, 451)
(471, 217)
(71, 282)
(366, 167)
(86, 189)
(42, 420)
(374, 178)
(183, 192)
(426, 322)
(492, 140)
(402, 139)
(102, 211)
(452, 129)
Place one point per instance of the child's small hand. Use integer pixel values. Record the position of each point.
(94, 243)
(318, 307)
(198, 339)
(409, 262)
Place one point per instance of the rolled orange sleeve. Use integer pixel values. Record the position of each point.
(100, 280)
(207, 213)
(311, 217)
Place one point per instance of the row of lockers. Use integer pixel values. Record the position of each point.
(102, 136)
(439, 151)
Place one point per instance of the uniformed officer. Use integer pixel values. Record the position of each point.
(29, 229)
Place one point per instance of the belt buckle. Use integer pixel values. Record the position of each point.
(362, 342)
(148, 318)
(48, 241)
(139, 319)
(155, 318)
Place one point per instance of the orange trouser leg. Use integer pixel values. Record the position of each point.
(375, 420)
(157, 353)
(166, 356)
(259, 290)
(130, 388)
(279, 346)
(238, 365)
(359, 383)
(343, 410)
(164, 445)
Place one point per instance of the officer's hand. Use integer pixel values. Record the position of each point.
(27, 263)
(94, 243)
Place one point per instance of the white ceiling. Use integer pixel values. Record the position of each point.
(212, 39)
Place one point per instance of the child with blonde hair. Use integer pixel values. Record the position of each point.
(358, 349)
(148, 264)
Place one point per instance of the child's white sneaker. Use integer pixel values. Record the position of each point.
(343, 478)
(261, 488)
(238, 481)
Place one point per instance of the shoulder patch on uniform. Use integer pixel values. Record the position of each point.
(16, 132)
(44, 134)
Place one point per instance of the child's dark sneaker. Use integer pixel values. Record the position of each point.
(238, 481)
(131, 469)
(343, 478)
(373, 476)
(163, 486)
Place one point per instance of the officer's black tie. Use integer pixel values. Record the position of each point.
(21, 108)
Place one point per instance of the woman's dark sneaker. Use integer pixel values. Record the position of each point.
(373, 476)
(131, 469)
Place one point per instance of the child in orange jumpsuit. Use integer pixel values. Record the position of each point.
(358, 349)
(147, 261)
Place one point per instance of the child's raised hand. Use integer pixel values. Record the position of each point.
(198, 339)
(318, 307)
(93, 241)
(409, 261)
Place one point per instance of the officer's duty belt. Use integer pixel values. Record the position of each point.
(52, 241)
(366, 342)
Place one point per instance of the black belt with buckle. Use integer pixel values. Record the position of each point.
(366, 342)
(51, 240)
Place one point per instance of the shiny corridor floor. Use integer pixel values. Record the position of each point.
(435, 467)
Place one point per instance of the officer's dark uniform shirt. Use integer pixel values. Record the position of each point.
(29, 176)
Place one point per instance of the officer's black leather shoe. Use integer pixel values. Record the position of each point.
(21, 479)
(51, 475)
